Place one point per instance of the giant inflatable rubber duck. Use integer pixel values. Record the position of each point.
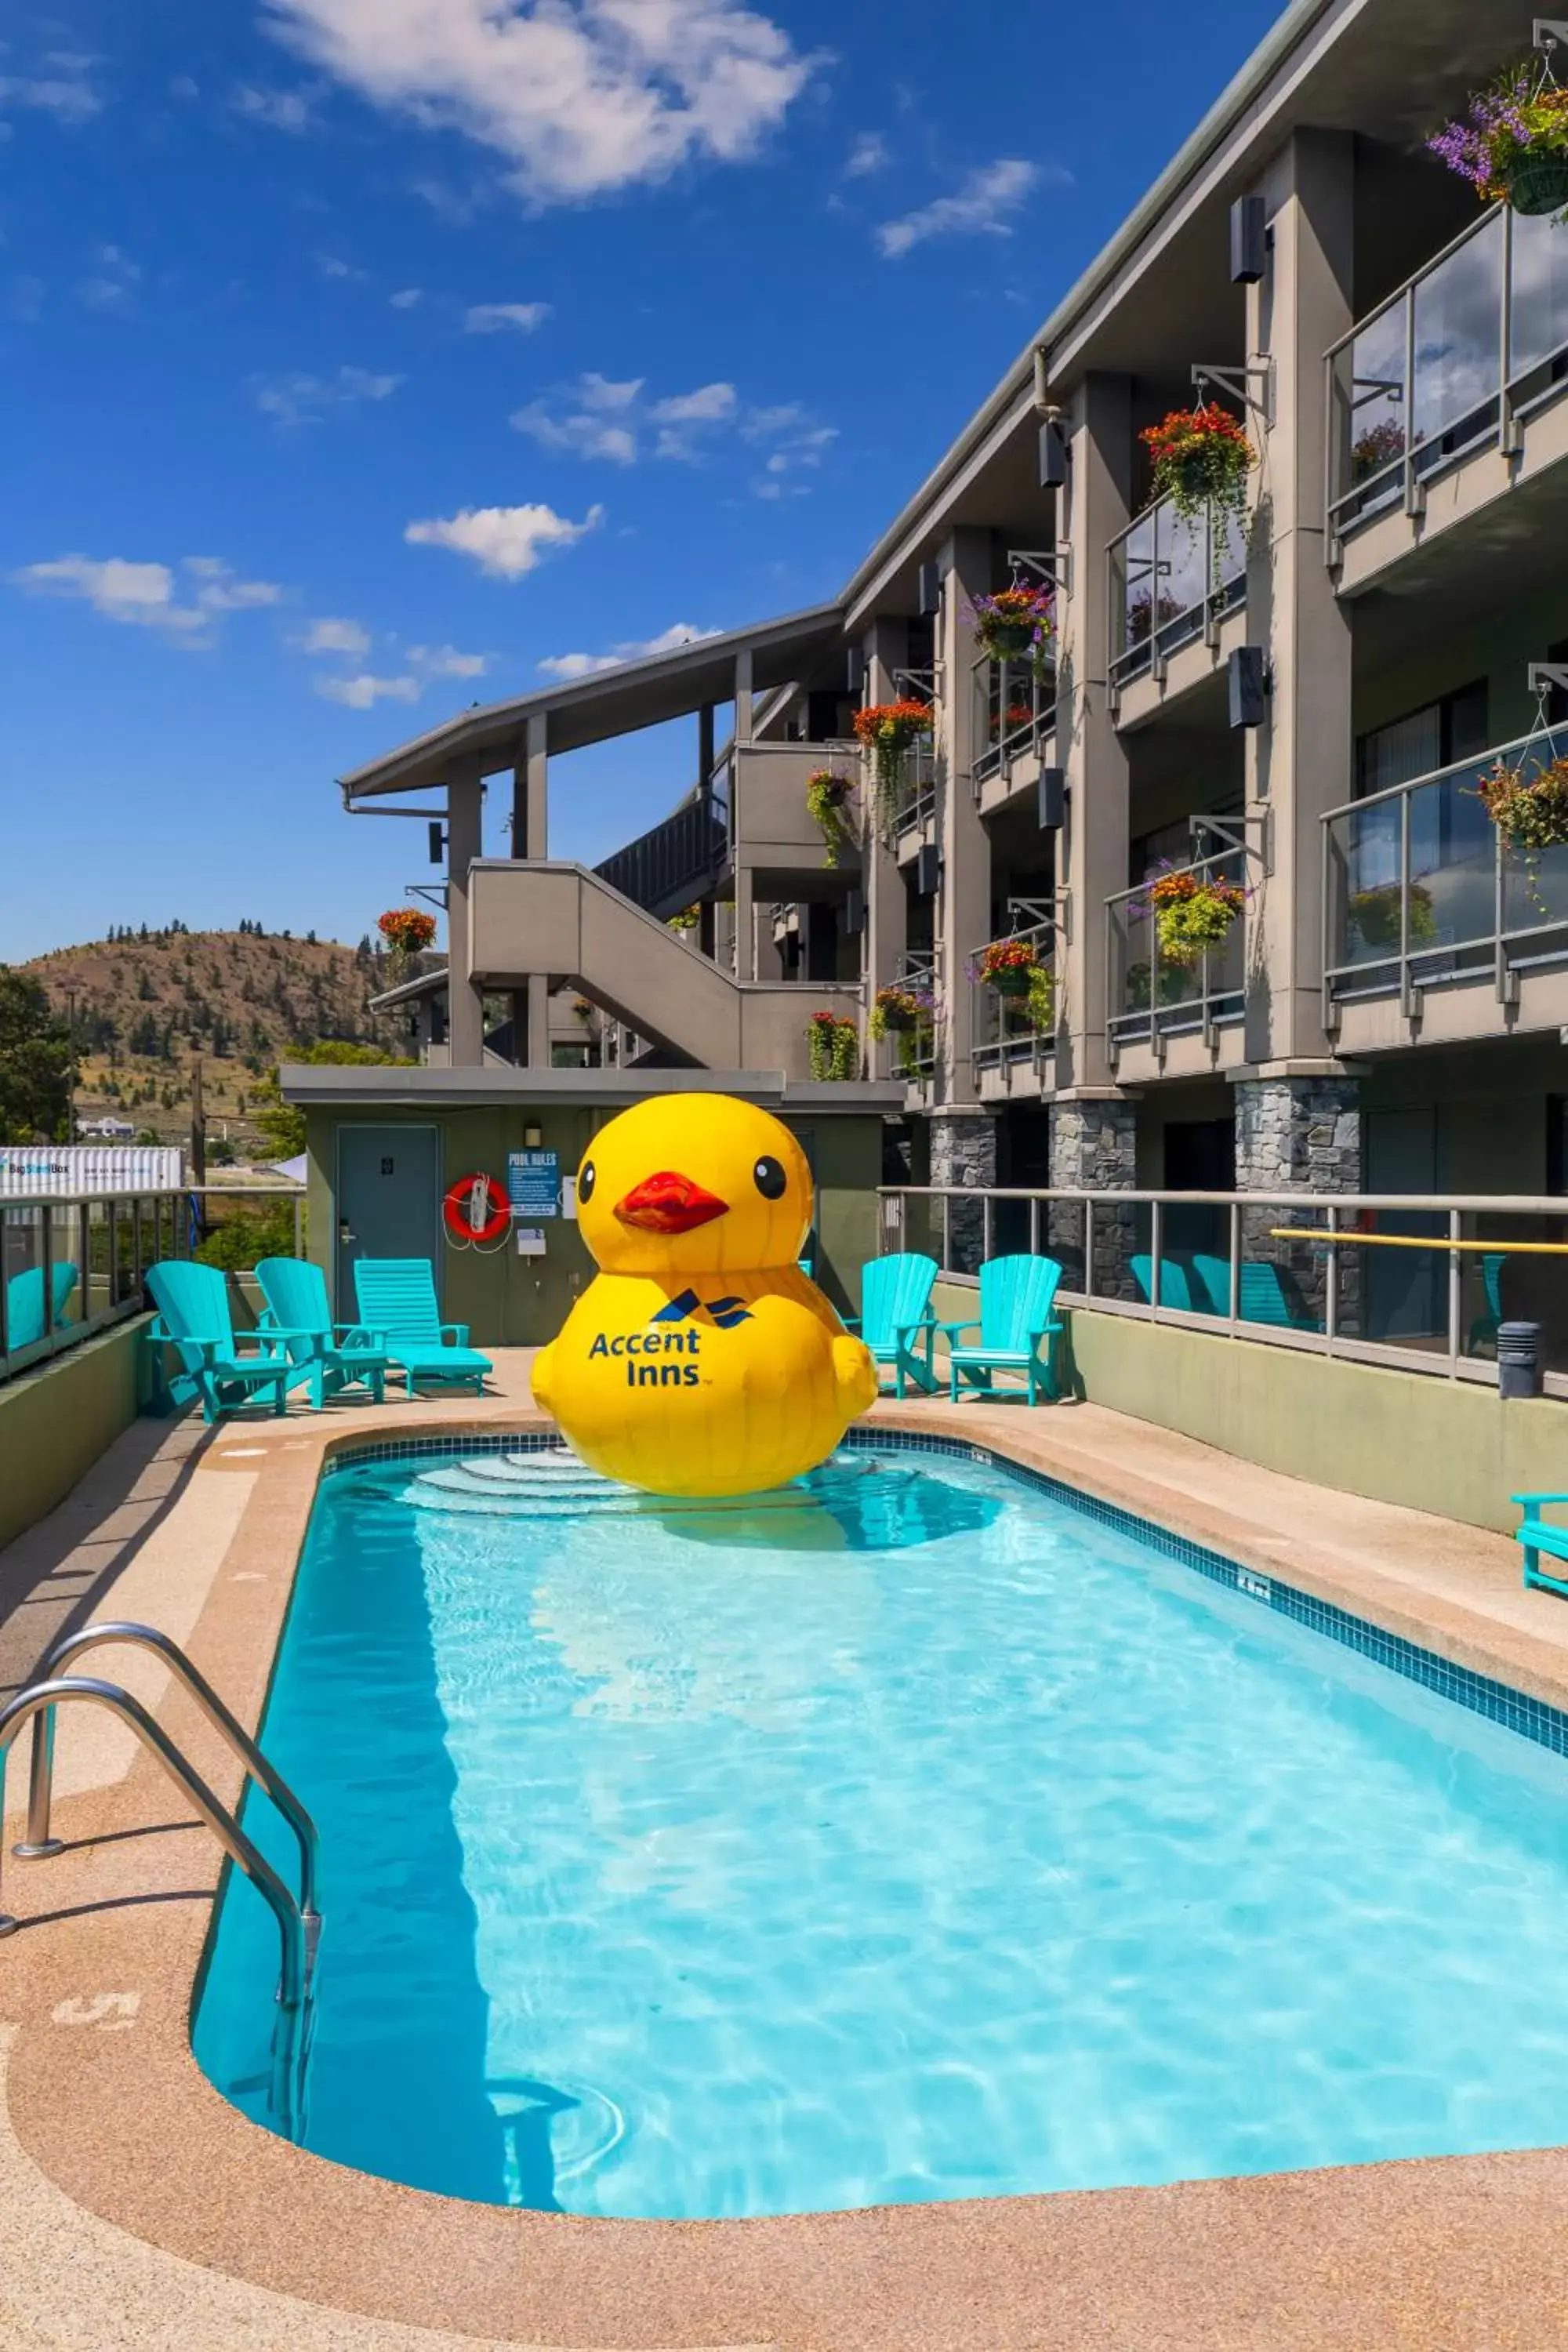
(701, 1360)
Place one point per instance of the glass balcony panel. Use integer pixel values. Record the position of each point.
(1010, 1228)
(21, 1272)
(1136, 583)
(1504, 1284)
(1229, 533)
(1282, 1280)
(1452, 863)
(1538, 323)
(1458, 312)
(1182, 552)
(1371, 408)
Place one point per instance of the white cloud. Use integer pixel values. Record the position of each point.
(361, 691)
(113, 284)
(446, 661)
(148, 595)
(602, 417)
(306, 399)
(868, 154)
(493, 318)
(982, 207)
(581, 96)
(505, 541)
(64, 91)
(183, 87)
(332, 265)
(406, 297)
(569, 665)
(329, 636)
(593, 427)
(281, 109)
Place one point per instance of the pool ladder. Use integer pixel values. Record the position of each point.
(298, 1917)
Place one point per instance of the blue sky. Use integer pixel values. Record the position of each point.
(366, 357)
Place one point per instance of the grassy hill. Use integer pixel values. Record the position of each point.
(149, 1003)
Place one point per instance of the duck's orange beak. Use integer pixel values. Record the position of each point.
(669, 1203)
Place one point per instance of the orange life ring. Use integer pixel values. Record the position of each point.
(476, 1208)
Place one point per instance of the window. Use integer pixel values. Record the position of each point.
(1454, 727)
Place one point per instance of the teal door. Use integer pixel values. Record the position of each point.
(388, 1201)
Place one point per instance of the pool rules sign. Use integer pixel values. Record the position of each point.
(534, 1189)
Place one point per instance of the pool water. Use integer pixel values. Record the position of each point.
(911, 1835)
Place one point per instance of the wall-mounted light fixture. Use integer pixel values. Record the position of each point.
(929, 588)
(533, 1136)
(928, 871)
(855, 670)
(854, 914)
(437, 840)
(1052, 799)
(1246, 676)
(1249, 241)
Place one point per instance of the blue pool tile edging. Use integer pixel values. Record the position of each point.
(1532, 1718)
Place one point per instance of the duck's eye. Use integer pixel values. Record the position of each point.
(585, 1181)
(770, 1180)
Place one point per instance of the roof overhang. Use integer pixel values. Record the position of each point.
(314, 1084)
(619, 701)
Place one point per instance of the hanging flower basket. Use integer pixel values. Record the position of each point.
(890, 732)
(407, 931)
(833, 1041)
(1512, 142)
(1375, 915)
(1193, 913)
(1202, 458)
(1008, 966)
(687, 920)
(1531, 815)
(825, 794)
(1016, 623)
(894, 1009)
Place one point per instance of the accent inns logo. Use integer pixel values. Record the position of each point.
(644, 1375)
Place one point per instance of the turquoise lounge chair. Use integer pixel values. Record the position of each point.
(398, 1302)
(1016, 1294)
(895, 1295)
(1537, 1536)
(25, 1303)
(193, 1318)
(1174, 1288)
(297, 1312)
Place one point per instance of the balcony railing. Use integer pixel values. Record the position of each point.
(914, 802)
(1152, 997)
(1010, 1030)
(1171, 582)
(1420, 888)
(1449, 365)
(1419, 1282)
(1015, 709)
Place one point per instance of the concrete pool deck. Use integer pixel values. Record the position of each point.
(137, 2208)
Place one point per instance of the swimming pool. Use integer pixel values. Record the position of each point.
(918, 1833)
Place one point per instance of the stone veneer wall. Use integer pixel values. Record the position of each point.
(1301, 1135)
(1094, 1148)
(962, 1152)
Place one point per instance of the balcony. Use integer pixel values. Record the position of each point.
(1014, 724)
(1164, 1017)
(914, 810)
(1174, 586)
(1433, 924)
(1014, 1050)
(1450, 385)
(772, 832)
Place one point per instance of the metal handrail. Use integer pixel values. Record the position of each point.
(294, 1977)
(39, 1845)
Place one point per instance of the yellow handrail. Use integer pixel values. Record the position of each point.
(1415, 1240)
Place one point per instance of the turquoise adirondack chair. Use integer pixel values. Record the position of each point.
(1016, 1294)
(397, 1301)
(336, 1355)
(194, 1319)
(895, 1297)
(25, 1303)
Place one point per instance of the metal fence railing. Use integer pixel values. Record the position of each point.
(1418, 1281)
(71, 1264)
